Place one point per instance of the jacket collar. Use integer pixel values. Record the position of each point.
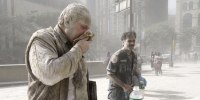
(61, 34)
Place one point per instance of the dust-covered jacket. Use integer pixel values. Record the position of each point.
(56, 69)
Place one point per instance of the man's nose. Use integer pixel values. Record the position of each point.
(132, 43)
(86, 30)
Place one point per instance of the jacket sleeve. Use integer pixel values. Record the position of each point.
(112, 65)
(48, 67)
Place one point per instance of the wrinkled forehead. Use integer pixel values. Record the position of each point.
(84, 23)
(84, 18)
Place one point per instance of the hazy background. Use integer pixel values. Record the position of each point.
(161, 26)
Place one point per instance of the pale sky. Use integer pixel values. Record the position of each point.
(172, 7)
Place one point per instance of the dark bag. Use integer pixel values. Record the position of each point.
(92, 90)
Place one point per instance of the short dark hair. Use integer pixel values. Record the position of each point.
(128, 34)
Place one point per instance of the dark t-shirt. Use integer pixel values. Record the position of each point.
(124, 66)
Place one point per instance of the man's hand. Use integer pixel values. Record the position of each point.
(84, 45)
(88, 35)
(127, 88)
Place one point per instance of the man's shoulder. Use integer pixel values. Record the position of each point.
(117, 55)
(42, 33)
(120, 52)
(44, 36)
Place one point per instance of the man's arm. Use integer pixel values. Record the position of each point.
(126, 87)
(48, 67)
(112, 71)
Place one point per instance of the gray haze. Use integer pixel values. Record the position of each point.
(161, 26)
(172, 7)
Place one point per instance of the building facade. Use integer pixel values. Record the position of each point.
(188, 16)
(144, 14)
(103, 25)
(18, 22)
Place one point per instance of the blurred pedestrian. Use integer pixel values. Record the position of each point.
(196, 57)
(152, 60)
(158, 63)
(140, 61)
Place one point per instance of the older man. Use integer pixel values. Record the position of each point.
(54, 60)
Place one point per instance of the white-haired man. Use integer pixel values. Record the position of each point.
(55, 64)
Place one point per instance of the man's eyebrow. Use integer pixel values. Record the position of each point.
(84, 26)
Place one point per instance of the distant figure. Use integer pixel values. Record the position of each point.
(140, 61)
(152, 59)
(107, 59)
(196, 57)
(122, 69)
(158, 63)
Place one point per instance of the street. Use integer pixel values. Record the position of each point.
(177, 83)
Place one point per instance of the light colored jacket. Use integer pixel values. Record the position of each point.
(56, 71)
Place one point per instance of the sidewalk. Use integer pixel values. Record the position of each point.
(174, 84)
(18, 92)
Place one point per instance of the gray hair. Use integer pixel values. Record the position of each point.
(73, 13)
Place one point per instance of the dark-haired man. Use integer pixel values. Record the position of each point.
(122, 69)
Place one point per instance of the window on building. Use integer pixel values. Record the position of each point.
(185, 6)
(0, 7)
(128, 3)
(199, 19)
(190, 5)
(122, 5)
(187, 20)
(117, 7)
(199, 3)
(198, 40)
